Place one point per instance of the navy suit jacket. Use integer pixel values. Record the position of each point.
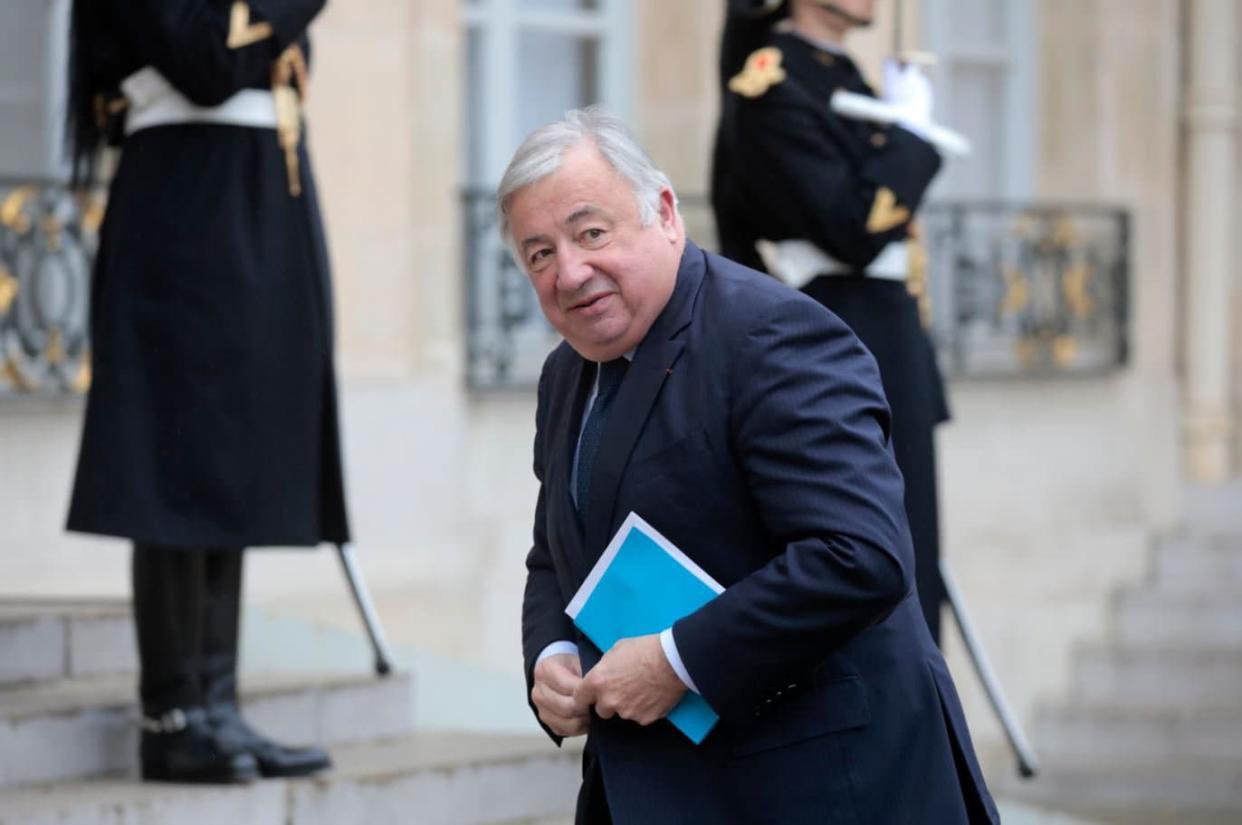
(751, 430)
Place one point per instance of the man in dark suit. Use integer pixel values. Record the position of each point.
(746, 423)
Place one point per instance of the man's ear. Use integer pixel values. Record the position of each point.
(670, 221)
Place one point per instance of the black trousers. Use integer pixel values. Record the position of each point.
(187, 608)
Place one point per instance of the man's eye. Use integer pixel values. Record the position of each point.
(593, 234)
(539, 255)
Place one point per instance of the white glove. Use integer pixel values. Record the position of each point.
(907, 88)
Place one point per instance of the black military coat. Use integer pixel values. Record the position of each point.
(786, 167)
(211, 419)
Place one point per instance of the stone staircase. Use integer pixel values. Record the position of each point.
(1151, 731)
(68, 742)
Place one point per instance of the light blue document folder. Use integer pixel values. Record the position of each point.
(641, 585)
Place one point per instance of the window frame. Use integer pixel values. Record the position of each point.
(1014, 59)
(501, 22)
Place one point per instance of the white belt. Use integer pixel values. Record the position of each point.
(153, 101)
(797, 262)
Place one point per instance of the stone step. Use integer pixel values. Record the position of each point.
(1156, 677)
(428, 778)
(1209, 618)
(1091, 734)
(1197, 565)
(444, 780)
(48, 640)
(1148, 816)
(1183, 791)
(85, 728)
(1215, 510)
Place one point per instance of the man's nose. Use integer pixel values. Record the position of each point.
(573, 268)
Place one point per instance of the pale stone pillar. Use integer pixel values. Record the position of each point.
(1211, 126)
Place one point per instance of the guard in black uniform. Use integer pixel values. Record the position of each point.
(825, 202)
(211, 424)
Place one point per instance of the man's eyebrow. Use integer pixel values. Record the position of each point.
(574, 217)
(584, 212)
(533, 239)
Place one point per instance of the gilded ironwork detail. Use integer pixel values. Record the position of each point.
(8, 290)
(1028, 289)
(81, 381)
(507, 334)
(1021, 291)
(52, 229)
(12, 210)
(47, 245)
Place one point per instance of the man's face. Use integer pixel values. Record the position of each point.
(852, 12)
(601, 276)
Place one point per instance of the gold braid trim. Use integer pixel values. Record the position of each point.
(241, 31)
(289, 85)
(916, 277)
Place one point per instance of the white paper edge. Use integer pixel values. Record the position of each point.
(634, 522)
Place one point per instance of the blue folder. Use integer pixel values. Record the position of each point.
(641, 585)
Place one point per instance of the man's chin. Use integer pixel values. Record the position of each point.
(854, 20)
(599, 350)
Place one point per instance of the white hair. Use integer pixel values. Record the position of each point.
(543, 150)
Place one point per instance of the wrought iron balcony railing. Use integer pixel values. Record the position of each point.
(1027, 290)
(47, 244)
(1016, 291)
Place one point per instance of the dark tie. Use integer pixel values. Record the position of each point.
(610, 375)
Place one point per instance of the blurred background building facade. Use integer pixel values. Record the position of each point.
(1076, 465)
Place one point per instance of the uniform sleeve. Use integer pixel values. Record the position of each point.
(211, 49)
(543, 608)
(811, 432)
(849, 202)
(747, 25)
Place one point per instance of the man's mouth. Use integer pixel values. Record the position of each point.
(589, 301)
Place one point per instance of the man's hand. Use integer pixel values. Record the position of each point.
(634, 681)
(556, 679)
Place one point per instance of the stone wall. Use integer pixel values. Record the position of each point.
(384, 118)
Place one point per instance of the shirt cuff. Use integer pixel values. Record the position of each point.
(555, 649)
(674, 658)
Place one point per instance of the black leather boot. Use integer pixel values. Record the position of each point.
(178, 743)
(182, 746)
(221, 628)
(272, 758)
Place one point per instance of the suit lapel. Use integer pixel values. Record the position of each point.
(652, 364)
